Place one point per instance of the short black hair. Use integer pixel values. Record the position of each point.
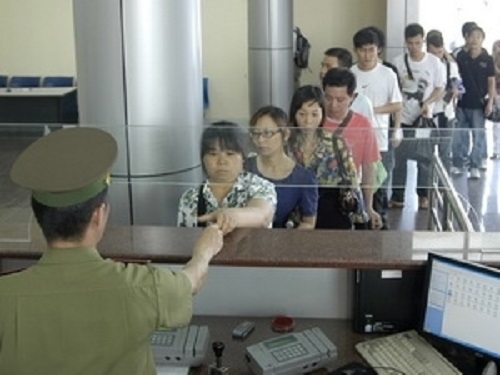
(278, 115)
(67, 223)
(467, 26)
(365, 37)
(225, 134)
(340, 77)
(380, 36)
(413, 30)
(475, 28)
(305, 94)
(435, 38)
(343, 56)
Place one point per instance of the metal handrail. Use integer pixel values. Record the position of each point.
(446, 211)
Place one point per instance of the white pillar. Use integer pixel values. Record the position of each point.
(139, 72)
(399, 14)
(270, 53)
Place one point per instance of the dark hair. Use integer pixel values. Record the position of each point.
(413, 30)
(467, 26)
(365, 37)
(227, 135)
(275, 113)
(475, 28)
(67, 223)
(435, 38)
(340, 77)
(343, 56)
(305, 94)
(380, 35)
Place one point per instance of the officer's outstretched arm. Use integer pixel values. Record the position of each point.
(206, 247)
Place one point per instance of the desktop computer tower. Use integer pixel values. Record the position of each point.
(387, 300)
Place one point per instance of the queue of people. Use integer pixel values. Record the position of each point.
(352, 135)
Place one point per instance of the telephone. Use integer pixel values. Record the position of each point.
(185, 346)
(293, 353)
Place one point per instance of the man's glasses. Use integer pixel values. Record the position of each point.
(266, 133)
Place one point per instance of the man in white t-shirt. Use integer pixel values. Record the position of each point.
(338, 57)
(380, 84)
(444, 108)
(421, 76)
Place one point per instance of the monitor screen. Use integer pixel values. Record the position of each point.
(462, 304)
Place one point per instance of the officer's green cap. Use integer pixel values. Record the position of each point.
(66, 167)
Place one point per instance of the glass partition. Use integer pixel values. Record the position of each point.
(156, 165)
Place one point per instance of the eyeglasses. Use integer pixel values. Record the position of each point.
(266, 133)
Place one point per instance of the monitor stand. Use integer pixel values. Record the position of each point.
(490, 369)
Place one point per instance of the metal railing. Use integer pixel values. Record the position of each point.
(446, 212)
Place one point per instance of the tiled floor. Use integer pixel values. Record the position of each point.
(480, 199)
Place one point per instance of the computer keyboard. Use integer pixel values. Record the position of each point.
(405, 353)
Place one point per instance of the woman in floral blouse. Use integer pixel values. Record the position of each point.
(229, 197)
(323, 153)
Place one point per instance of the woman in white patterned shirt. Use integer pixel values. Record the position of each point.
(229, 196)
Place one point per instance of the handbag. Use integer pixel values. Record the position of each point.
(347, 197)
(423, 143)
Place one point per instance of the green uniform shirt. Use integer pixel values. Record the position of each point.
(76, 313)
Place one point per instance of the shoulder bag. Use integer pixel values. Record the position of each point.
(348, 199)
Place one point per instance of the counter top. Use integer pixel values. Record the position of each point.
(268, 248)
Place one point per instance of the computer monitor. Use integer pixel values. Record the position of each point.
(462, 304)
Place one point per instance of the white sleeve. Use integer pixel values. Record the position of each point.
(440, 74)
(454, 73)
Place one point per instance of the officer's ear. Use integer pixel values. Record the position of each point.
(100, 215)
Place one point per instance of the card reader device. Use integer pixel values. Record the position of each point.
(185, 346)
(292, 353)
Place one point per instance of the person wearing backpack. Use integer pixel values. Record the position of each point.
(422, 81)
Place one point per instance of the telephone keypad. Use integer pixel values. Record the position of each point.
(290, 352)
(164, 340)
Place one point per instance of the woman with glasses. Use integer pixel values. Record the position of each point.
(230, 197)
(328, 156)
(295, 185)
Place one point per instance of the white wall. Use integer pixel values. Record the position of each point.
(37, 38)
(332, 23)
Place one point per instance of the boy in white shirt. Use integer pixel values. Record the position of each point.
(380, 84)
(422, 84)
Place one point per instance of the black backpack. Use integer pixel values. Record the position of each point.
(302, 47)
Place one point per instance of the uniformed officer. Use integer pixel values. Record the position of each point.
(74, 312)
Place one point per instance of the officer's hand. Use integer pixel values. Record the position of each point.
(210, 242)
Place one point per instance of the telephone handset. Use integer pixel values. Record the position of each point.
(185, 346)
(293, 353)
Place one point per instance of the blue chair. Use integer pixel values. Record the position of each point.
(24, 81)
(58, 81)
(206, 100)
(3, 81)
